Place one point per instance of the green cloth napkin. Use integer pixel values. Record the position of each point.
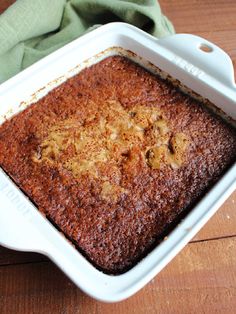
(31, 29)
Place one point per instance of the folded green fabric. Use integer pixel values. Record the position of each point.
(31, 29)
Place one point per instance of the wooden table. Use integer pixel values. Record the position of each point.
(201, 279)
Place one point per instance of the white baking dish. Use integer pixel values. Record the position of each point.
(22, 227)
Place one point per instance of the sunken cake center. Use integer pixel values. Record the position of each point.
(111, 136)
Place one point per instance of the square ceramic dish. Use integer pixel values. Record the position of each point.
(208, 73)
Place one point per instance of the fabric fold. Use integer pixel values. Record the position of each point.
(32, 29)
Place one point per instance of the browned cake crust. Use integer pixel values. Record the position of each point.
(113, 156)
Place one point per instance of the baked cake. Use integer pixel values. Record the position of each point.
(115, 157)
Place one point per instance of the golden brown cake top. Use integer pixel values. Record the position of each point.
(105, 139)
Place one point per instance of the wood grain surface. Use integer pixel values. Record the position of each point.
(201, 279)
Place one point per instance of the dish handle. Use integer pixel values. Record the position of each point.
(194, 51)
(16, 212)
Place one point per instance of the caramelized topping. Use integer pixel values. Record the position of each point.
(106, 139)
(172, 154)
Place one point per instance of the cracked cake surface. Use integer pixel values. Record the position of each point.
(114, 156)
